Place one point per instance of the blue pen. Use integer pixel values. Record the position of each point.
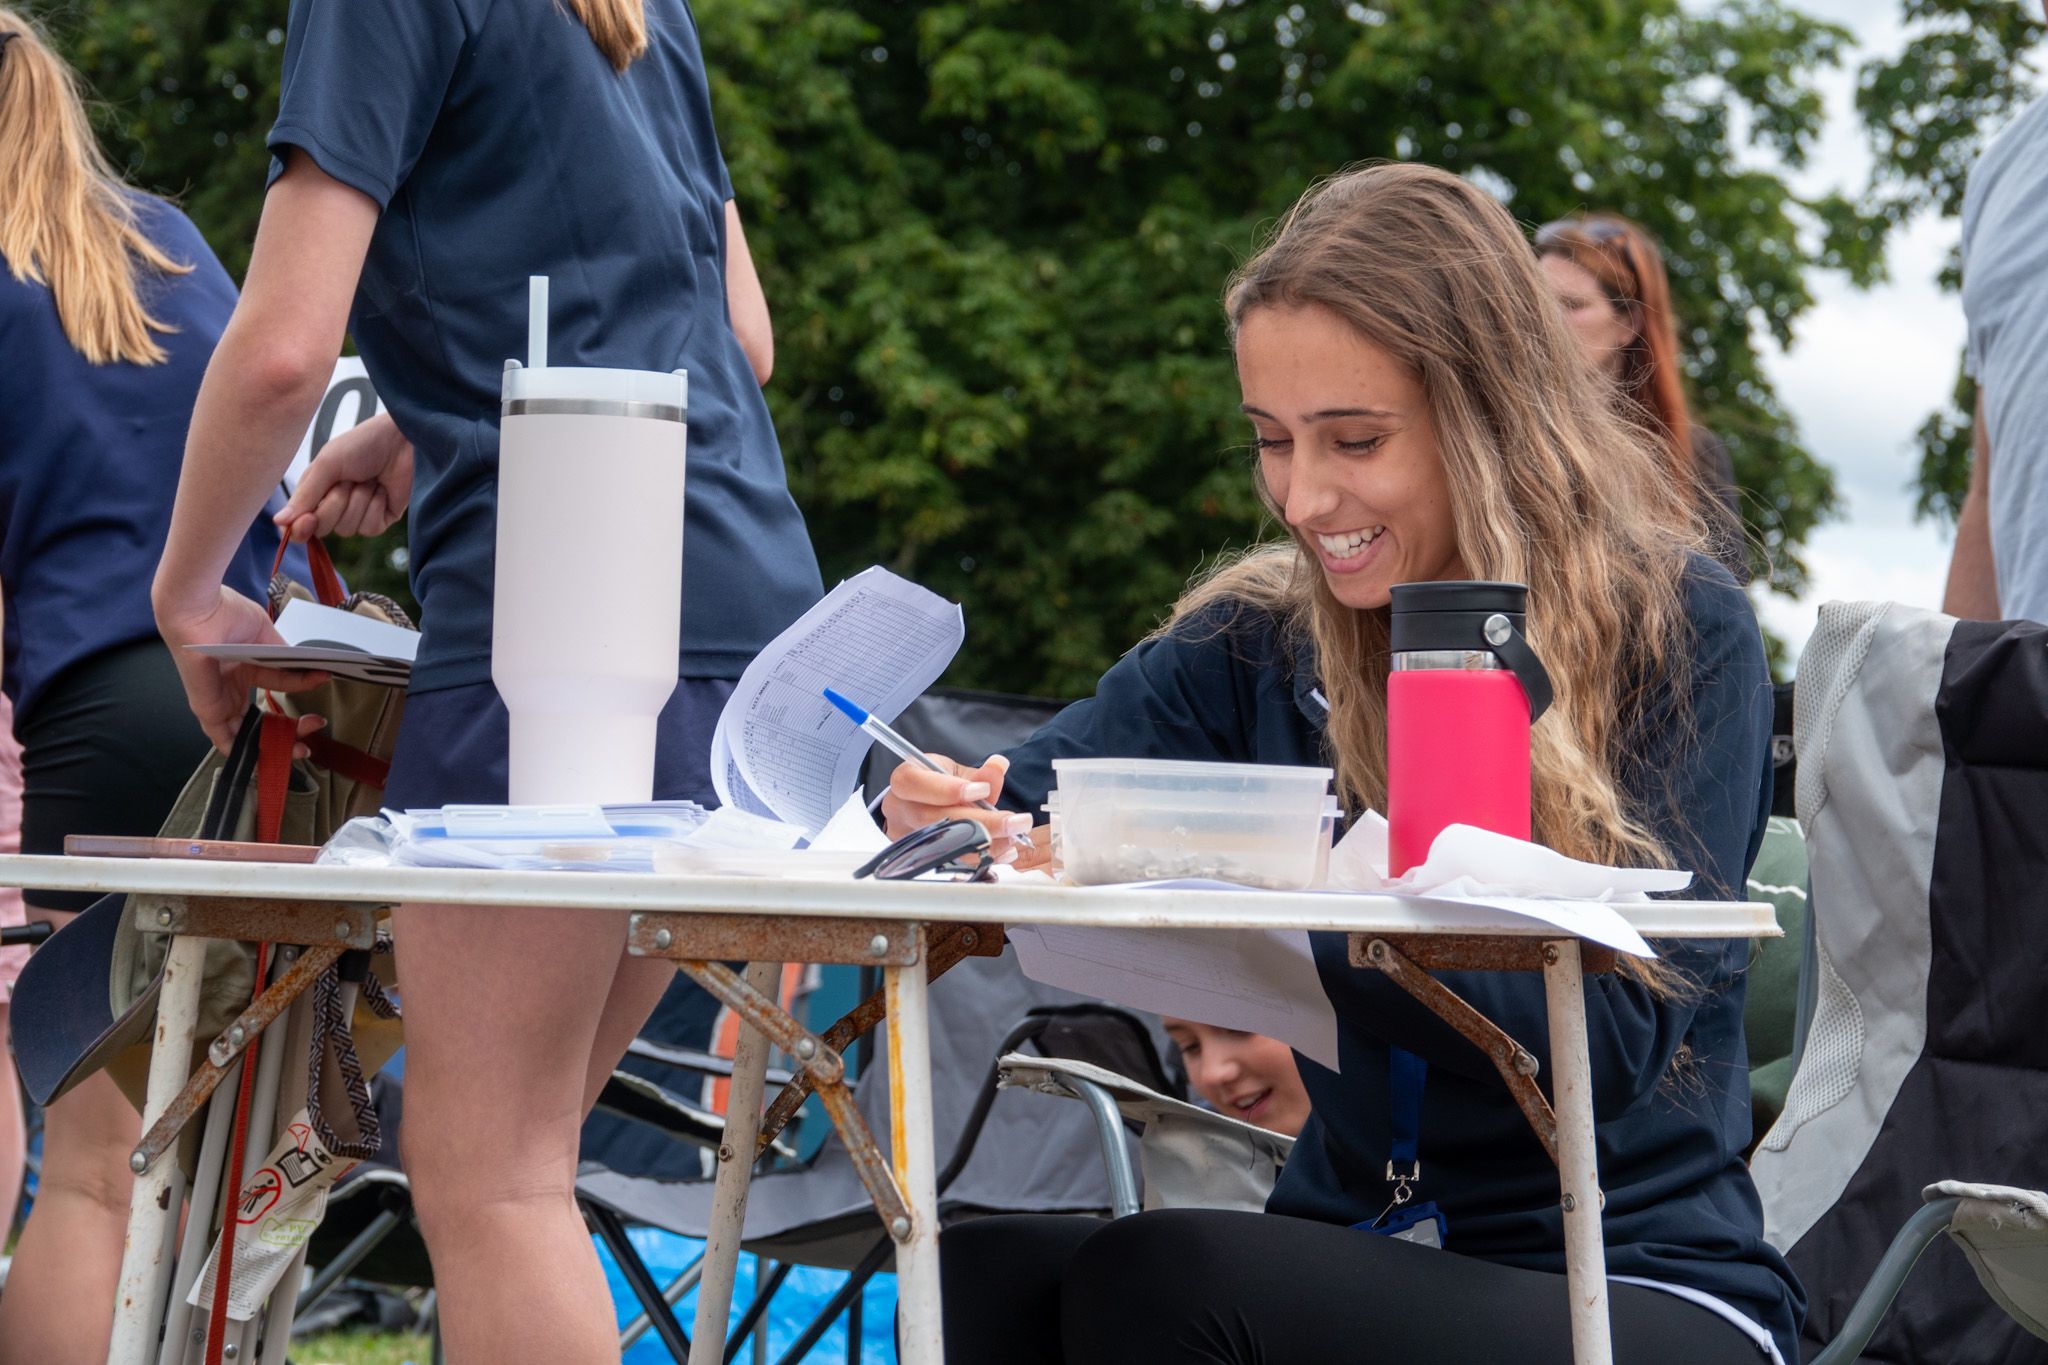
(901, 747)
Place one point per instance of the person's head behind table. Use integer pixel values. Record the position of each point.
(1422, 412)
(1609, 274)
(1247, 1076)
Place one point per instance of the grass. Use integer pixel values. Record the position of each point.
(362, 1348)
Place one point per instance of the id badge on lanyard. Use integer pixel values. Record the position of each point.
(1403, 1219)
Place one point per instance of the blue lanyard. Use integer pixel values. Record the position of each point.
(1406, 1075)
(1402, 1219)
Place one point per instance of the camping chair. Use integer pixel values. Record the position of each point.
(1923, 763)
(1188, 1157)
(1003, 1153)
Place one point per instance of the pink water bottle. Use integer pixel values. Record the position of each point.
(1463, 691)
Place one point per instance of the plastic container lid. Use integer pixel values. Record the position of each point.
(1173, 773)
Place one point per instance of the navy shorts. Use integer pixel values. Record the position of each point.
(452, 747)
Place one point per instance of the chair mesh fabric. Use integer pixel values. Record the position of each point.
(1833, 1055)
(1827, 674)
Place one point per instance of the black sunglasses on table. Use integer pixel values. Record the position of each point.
(953, 848)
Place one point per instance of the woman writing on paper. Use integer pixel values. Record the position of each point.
(1419, 413)
(431, 155)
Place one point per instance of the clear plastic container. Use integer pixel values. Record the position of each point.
(1137, 820)
(1332, 815)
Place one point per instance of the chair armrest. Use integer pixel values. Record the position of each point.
(1892, 1269)
(641, 1100)
(695, 1059)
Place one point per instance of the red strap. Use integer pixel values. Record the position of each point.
(273, 773)
(223, 1276)
(348, 761)
(326, 582)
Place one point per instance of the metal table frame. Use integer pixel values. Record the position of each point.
(913, 930)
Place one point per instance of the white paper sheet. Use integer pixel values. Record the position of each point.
(327, 640)
(876, 639)
(1258, 980)
(851, 830)
(1475, 867)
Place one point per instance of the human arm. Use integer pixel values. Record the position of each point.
(744, 301)
(1187, 695)
(357, 485)
(266, 378)
(1972, 591)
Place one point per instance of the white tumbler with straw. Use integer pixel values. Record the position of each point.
(588, 602)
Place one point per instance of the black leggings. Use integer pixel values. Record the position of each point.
(105, 750)
(1200, 1285)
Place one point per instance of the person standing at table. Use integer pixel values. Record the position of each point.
(110, 304)
(1418, 415)
(430, 156)
(1609, 275)
(1999, 568)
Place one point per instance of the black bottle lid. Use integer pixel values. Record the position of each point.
(1454, 616)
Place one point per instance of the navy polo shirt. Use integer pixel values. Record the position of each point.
(499, 144)
(89, 459)
(1670, 1073)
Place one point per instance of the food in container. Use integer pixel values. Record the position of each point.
(1135, 820)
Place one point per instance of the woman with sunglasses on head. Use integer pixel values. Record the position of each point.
(110, 305)
(1419, 413)
(1609, 275)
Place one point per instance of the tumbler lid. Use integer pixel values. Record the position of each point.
(1464, 615)
(538, 388)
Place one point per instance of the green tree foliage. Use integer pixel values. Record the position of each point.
(994, 234)
(1965, 70)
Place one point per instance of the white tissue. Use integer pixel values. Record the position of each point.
(1478, 867)
(1468, 861)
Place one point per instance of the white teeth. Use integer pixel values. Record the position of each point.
(1350, 542)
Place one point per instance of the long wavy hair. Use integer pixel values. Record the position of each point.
(1624, 260)
(1549, 487)
(67, 220)
(618, 27)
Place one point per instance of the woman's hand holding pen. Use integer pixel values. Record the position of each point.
(918, 797)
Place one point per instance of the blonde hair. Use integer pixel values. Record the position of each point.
(66, 219)
(1549, 487)
(618, 27)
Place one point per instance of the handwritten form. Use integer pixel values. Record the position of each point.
(780, 748)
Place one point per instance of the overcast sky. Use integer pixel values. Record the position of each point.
(1866, 368)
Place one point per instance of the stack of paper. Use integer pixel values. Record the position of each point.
(780, 748)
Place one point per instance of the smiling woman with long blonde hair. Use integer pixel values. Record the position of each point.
(110, 304)
(1419, 413)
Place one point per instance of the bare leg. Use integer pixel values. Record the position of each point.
(59, 1304)
(636, 989)
(13, 1132)
(505, 1009)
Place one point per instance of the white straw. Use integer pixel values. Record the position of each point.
(536, 322)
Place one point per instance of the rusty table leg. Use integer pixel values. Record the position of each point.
(735, 1173)
(1516, 1066)
(946, 944)
(910, 1137)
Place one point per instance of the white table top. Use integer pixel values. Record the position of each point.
(1008, 903)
